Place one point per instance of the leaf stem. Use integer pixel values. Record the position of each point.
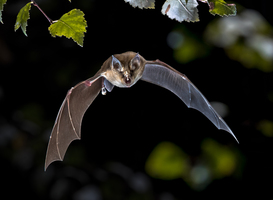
(35, 4)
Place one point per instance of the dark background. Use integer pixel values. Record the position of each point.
(121, 129)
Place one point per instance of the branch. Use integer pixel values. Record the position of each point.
(35, 4)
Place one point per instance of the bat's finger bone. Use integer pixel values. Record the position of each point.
(70, 91)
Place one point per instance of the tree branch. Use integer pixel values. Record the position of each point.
(35, 4)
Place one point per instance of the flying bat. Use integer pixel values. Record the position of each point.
(121, 70)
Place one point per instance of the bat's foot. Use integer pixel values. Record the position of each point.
(103, 91)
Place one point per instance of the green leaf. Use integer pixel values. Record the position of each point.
(181, 10)
(22, 18)
(71, 25)
(142, 3)
(220, 7)
(2, 3)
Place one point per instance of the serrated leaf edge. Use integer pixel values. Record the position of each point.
(186, 10)
(224, 4)
(54, 35)
(151, 7)
(19, 24)
(56, 21)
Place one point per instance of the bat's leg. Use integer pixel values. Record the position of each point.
(108, 86)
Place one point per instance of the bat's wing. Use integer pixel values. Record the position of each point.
(67, 126)
(161, 74)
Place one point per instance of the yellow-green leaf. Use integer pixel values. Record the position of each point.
(22, 18)
(71, 25)
(220, 7)
(2, 3)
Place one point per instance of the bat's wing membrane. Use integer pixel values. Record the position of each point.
(165, 76)
(67, 126)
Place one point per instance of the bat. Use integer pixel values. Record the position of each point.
(121, 70)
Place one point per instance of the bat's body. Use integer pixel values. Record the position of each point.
(121, 70)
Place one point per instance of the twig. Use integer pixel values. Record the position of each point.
(35, 4)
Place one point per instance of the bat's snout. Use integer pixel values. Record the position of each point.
(127, 79)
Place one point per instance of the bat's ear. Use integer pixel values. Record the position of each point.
(115, 64)
(137, 57)
(135, 62)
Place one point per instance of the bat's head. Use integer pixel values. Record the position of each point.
(126, 69)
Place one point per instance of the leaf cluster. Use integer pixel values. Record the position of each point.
(186, 10)
(73, 24)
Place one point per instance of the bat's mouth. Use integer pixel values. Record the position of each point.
(127, 81)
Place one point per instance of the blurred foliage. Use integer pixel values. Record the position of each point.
(222, 160)
(246, 38)
(266, 127)
(168, 161)
(186, 45)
